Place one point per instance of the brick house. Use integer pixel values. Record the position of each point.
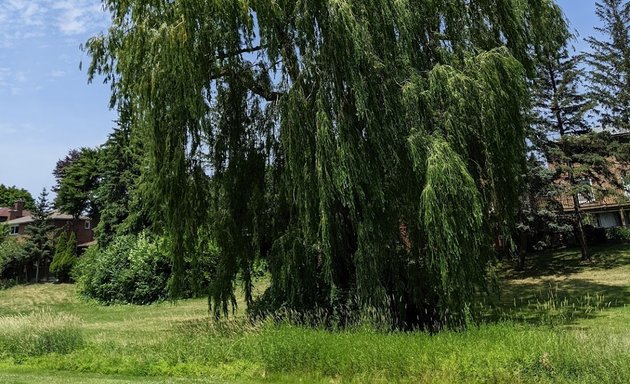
(610, 209)
(10, 213)
(17, 219)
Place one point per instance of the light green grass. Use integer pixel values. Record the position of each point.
(560, 321)
(39, 334)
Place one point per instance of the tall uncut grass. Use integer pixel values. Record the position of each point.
(39, 334)
(265, 350)
(569, 327)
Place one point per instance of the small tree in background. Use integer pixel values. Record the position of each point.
(12, 257)
(9, 195)
(540, 217)
(65, 256)
(77, 178)
(39, 246)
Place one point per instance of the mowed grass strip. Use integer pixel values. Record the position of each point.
(560, 326)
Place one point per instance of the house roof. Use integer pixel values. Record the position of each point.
(4, 211)
(55, 215)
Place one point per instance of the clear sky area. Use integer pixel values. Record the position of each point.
(46, 104)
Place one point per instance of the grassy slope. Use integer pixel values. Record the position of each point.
(559, 321)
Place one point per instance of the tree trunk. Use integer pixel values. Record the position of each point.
(37, 270)
(580, 226)
(522, 249)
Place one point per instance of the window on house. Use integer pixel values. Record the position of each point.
(87, 224)
(585, 191)
(608, 220)
(626, 185)
(15, 230)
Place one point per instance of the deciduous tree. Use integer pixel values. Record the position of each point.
(77, 178)
(9, 195)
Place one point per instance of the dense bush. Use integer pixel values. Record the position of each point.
(619, 234)
(12, 258)
(65, 256)
(132, 269)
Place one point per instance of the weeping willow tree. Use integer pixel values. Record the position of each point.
(368, 150)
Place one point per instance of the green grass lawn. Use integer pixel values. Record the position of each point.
(559, 321)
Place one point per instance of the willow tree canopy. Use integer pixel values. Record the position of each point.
(367, 149)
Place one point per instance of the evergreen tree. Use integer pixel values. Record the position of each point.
(540, 218)
(610, 65)
(122, 210)
(65, 256)
(309, 133)
(39, 246)
(571, 147)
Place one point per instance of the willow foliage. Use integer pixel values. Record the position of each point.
(367, 149)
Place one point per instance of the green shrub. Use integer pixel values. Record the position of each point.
(39, 334)
(132, 269)
(619, 234)
(65, 256)
(12, 257)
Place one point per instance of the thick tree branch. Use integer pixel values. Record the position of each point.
(239, 52)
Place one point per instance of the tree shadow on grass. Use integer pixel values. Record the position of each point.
(568, 261)
(556, 302)
(559, 288)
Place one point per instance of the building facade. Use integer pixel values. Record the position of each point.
(17, 219)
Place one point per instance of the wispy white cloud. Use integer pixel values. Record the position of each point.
(4, 76)
(57, 73)
(26, 19)
(75, 17)
(20, 77)
(13, 128)
(7, 129)
(43, 24)
(12, 81)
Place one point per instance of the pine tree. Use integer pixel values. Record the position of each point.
(609, 79)
(310, 133)
(577, 153)
(39, 246)
(540, 217)
(65, 256)
(119, 174)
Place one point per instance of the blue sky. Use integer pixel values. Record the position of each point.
(46, 105)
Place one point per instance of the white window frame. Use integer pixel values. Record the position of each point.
(14, 230)
(87, 224)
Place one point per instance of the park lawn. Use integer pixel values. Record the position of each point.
(560, 320)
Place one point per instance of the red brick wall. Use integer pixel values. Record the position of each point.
(83, 235)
